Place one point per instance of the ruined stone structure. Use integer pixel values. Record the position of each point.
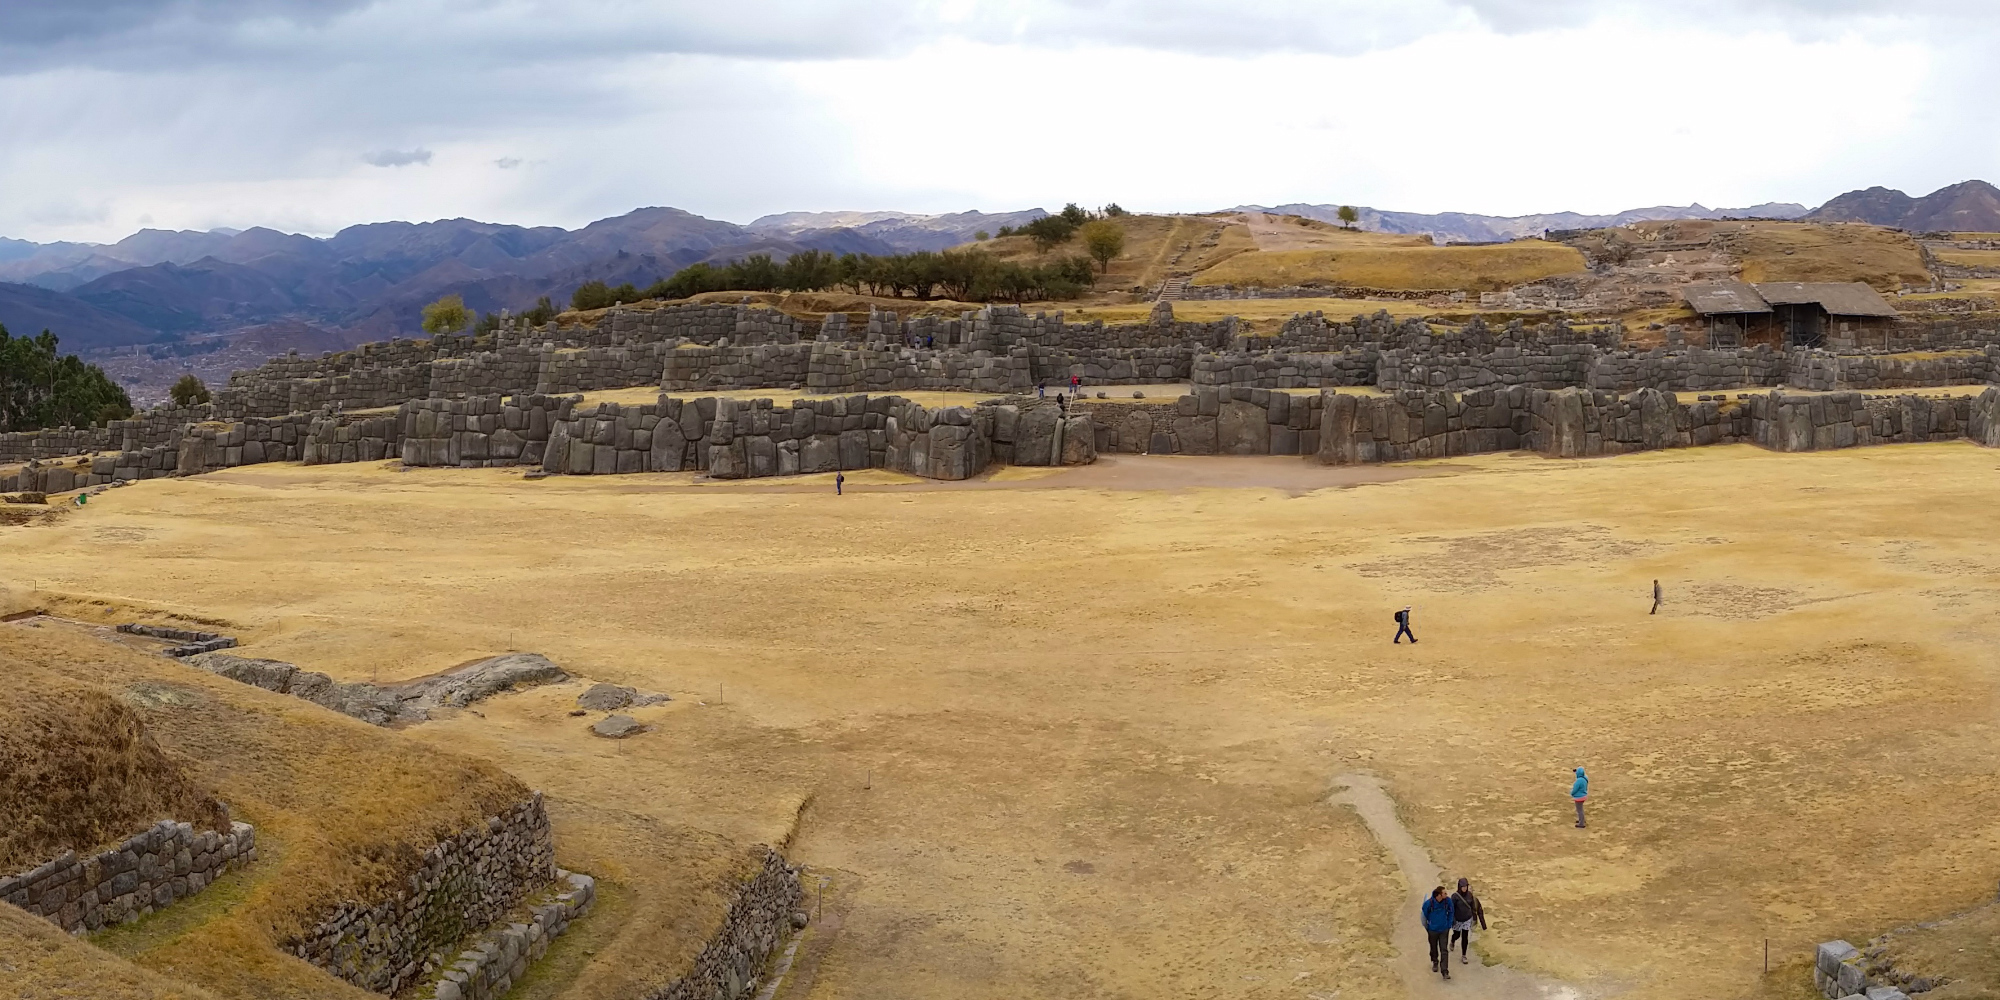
(506, 399)
(751, 930)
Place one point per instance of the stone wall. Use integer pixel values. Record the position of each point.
(226, 445)
(1578, 423)
(148, 872)
(751, 930)
(1826, 371)
(1223, 420)
(1299, 370)
(491, 967)
(465, 884)
(465, 433)
(1415, 425)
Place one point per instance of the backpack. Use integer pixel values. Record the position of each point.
(1461, 908)
(1398, 616)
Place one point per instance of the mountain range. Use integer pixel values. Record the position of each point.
(1460, 227)
(370, 282)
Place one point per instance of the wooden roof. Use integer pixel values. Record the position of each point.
(1724, 298)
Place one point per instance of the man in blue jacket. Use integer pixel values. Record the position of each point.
(1437, 925)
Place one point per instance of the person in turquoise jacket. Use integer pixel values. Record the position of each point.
(1579, 791)
(1437, 926)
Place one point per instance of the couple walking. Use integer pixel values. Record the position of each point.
(1448, 920)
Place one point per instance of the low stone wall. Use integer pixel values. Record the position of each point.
(466, 883)
(1841, 970)
(331, 440)
(488, 969)
(756, 922)
(149, 872)
(1555, 366)
(475, 432)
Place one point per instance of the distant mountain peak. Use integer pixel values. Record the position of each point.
(1968, 206)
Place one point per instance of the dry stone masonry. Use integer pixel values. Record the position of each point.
(491, 967)
(466, 883)
(506, 398)
(388, 705)
(148, 872)
(756, 922)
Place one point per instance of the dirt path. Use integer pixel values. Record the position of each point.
(1487, 982)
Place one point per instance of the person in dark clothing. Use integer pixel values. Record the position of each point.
(1403, 626)
(1465, 909)
(839, 481)
(1656, 598)
(1437, 926)
(1041, 390)
(1062, 403)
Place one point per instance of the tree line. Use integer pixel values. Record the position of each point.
(41, 388)
(963, 275)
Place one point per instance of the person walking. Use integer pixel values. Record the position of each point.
(1578, 791)
(1075, 384)
(1437, 926)
(1656, 598)
(1465, 908)
(1403, 626)
(1041, 390)
(839, 482)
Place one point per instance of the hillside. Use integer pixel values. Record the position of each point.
(1464, 227)
(26, 310)
(1966, 207)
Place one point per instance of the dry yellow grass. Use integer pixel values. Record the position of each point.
(1083, 747)
(1777, 251)
(1475, 268)
(1969, 258)
(40, 962)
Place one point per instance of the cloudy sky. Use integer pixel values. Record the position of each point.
(310, 115)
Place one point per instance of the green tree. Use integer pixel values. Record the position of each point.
(188, 391)
(1049, 231)
(982, 236)
(592, 295)
(1103, 240)
(542, 313)
(1112, 211)
(1348, 216)
(41, 388)
(447, 315)
(1074, 215)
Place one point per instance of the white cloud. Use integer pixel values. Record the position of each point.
(205, 113)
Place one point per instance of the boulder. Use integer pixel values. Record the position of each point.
(606, 697)
(617, 727)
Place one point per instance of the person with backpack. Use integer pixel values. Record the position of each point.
(1578, 791)
(1403, 626)
(1437, 926)
(839, 482)
(1465, 908)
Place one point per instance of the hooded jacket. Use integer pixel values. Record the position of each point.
(1582, 787)
(1437, 914)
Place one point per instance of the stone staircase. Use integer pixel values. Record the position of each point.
(1173, 288)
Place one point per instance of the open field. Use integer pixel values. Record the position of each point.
(1054, 741)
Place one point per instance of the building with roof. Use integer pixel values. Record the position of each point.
(1789, 313)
